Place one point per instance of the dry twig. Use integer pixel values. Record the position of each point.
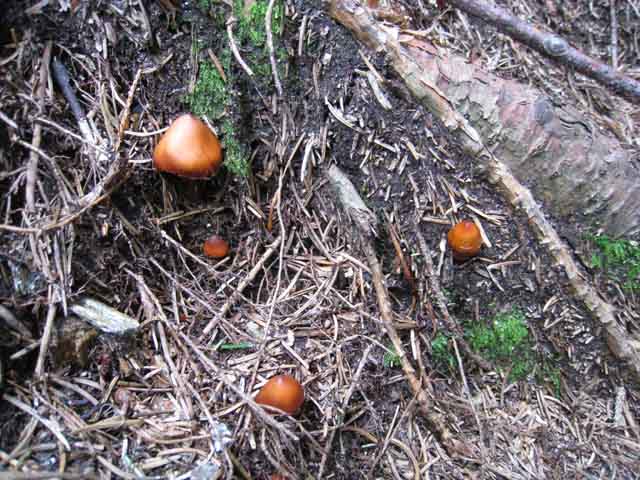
(234, 47)
(553, 46)
(272, 55)
(364, 221)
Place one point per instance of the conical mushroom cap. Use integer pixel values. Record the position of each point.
(189, 149)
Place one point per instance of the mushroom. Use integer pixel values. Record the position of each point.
(188, 149)
(282, 392)
(464, 240)
(215, 247)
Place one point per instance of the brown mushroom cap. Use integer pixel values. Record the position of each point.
(189, 149)
(215, 247)
(464, 240)
(283, 392)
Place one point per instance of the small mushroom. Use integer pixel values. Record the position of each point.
(215, 247)
(282, 392)
(464, 240)
(189, 149)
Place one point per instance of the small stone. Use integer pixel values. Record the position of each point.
(104, 317)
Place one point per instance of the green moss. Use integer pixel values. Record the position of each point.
(235, 155)
(252, 36)
(210, 96)
(441, 352)
(505, 342)
(260, 67)
(504, 338)
(251, 23)
(391, 358)
(204, 4)
(619, 259)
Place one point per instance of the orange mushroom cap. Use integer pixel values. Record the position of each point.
(188, 148)
(282, 392)
(215, 247)
(464, 240)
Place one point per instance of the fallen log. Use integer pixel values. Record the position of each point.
(582, 176)
(519, 136)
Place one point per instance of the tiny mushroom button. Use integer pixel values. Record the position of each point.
(215, 247)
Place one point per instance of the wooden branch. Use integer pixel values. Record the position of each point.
(63, 79)
(364, 224)
(552, 46)
(32, 166)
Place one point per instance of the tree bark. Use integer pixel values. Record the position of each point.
(580, 175)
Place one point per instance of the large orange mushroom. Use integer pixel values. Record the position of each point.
(189, 149)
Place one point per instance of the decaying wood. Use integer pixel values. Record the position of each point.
(553, 46)
(364, 227)
(622, 344)
(580, 174)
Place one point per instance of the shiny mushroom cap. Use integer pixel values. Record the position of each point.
(188, 149)
(282, 392)
(464, 240)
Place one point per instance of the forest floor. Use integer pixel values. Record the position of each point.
(295, 295)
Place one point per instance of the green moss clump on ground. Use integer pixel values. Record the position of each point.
(505, 342)
(440, 350)
(391, 359)
(507, 335)
(619, 259)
